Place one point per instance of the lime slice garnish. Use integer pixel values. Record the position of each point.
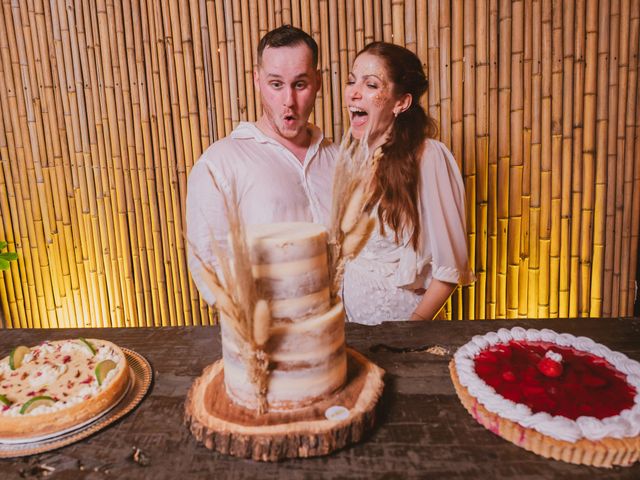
(5, 401)
(89, 345)
(103, 368)
(36, 402)
(16, 356)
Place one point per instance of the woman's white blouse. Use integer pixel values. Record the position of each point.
(380, 283)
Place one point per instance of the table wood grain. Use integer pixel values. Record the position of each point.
(423, 431)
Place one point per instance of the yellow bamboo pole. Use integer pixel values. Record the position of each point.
(533, 276)
(567, 155)
(577, 167)
(492, 227)
(457, 111)
(588, 148)
(612, 116)
(482, 155)
(599, 215)
(469, 162)
(635, 214)
(433, 39)
(556, 159)
(627, 290)
(516, 119)
(504, 140)
(525, 200)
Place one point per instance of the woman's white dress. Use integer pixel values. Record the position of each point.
(380, 284)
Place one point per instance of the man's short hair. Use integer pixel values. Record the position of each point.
(287, 36)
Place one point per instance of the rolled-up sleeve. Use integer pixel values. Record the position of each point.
(444, 238)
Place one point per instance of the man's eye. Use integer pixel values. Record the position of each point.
(301, 85)
(276, 84)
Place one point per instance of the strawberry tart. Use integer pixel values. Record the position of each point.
(557, 395)
(58, 385)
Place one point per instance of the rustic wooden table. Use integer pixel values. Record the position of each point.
(422, 430)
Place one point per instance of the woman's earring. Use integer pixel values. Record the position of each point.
(395, 113)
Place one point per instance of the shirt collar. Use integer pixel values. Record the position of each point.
(246, 130)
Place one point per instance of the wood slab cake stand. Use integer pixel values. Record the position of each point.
(221, 425)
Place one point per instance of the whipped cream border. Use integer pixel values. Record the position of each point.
(625, 424)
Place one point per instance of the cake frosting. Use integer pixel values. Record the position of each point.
(567, 388)
(306, 346)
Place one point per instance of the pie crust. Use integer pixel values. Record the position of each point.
(36, 424)
(604, 452)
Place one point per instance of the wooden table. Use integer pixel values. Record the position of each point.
(423, 430)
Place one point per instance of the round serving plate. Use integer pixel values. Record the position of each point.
(141, 376)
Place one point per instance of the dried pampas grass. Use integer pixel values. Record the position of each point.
(237, 297)
(351, 222)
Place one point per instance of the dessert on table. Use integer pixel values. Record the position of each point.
(58, 385)
(557, 395)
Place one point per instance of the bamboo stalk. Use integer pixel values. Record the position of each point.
(482, 156)
(566, 222)
(577, 167)
(627, 290)
(612, 115)
(598, 244)
(623, 75)
(556, 159)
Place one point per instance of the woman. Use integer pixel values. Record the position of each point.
(418, 255)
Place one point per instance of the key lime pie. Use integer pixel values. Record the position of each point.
(57, 385)
(557, 395)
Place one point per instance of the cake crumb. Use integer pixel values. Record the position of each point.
(437, 350)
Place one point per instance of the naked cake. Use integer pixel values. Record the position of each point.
(57, 385)
(557, 395)
(306, 350)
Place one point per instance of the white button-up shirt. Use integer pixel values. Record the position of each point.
(271, 183)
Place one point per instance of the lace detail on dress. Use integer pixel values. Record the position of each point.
(369, 295)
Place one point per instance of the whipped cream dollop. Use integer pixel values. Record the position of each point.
(625, 424)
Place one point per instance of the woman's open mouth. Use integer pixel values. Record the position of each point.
(358, 116)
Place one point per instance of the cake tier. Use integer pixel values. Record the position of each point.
(307, 362)
(291, 269)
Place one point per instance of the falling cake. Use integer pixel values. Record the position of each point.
(306, 345)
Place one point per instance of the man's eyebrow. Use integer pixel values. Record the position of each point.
(277, 76)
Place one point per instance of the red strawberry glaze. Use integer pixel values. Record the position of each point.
(587, 386)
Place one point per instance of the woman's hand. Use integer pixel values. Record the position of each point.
(433, 299)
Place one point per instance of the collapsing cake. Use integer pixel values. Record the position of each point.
(557, 395)
(306, 345)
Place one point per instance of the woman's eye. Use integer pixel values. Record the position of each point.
(372, 85)
(350, 82)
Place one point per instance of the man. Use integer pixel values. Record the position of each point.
(281, 166)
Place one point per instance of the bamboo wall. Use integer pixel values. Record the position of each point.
(106, 105)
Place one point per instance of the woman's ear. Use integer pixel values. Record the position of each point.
(402, 104)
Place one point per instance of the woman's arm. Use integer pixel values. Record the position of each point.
(433, 300)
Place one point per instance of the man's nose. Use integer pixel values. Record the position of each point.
(290, 96)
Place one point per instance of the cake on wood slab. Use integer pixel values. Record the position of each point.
(557, 395)
(306, 345)
(286, 385)
(57, 385)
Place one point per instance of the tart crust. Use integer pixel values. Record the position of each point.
(28, 426)
(602, 453)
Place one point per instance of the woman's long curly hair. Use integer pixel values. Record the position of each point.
(397, 177)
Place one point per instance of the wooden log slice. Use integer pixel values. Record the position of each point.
(221, 425)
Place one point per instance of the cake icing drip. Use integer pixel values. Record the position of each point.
(624, 424)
